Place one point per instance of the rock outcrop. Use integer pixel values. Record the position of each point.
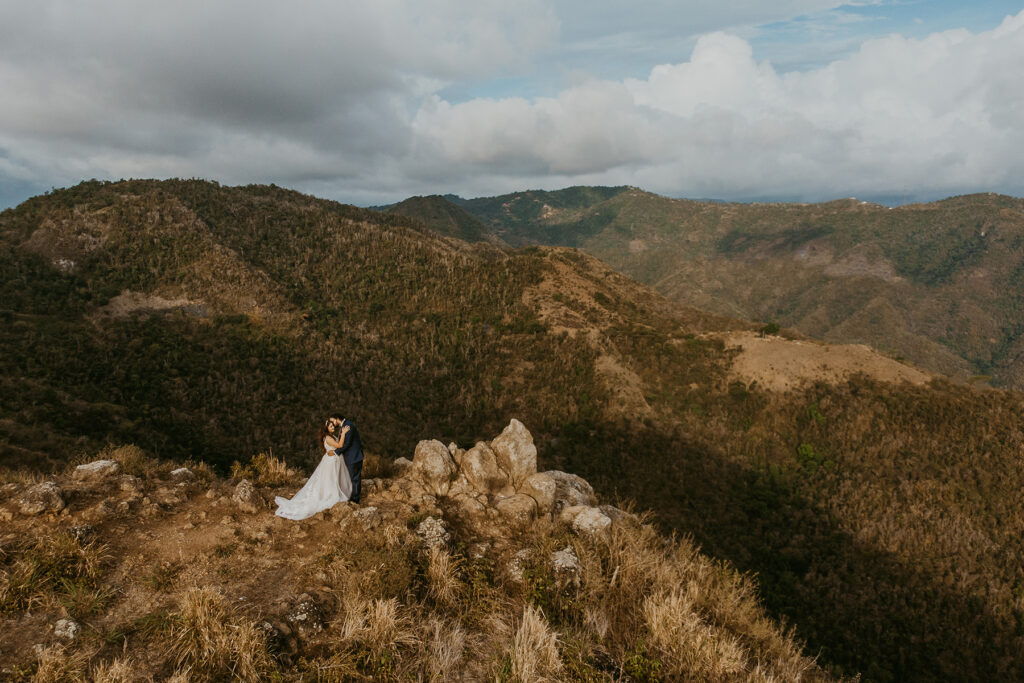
(497, 484)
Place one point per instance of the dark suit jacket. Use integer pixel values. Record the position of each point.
(351, 447)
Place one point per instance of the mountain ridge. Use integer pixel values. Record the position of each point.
(935, 283)
(297, 306)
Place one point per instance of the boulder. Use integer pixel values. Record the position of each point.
(44, 497)
(66, 629)
(541, 487)
(469, 505)
(433, 465)
(130, 483)
(400, 466)
(182, 474)
(96, 470)
(479, 466)
(570, 490)
(584, 519)
(515, 451)
(617, 515)
(247, 497)
(369, 517)
(516, 566)
(520, 509)
(433, 533)
(566, 566)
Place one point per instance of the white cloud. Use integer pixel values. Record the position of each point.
(344, 99)
(943, 114)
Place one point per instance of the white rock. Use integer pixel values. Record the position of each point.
(479, 467)
(433, 533)
(571, 490)
(434, 466)
(44, 497)
(97, 469)
(182, 474)
(584, 519)
(520, 509)
(66, 629)
(247, 497)
(542, 488)
(516, 452)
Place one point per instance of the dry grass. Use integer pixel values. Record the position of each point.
(53, 567)
(446, 643)
(443, 583)
(264, 469)
(208, 639)
(120, 670)
(57, 664)
(533, 654)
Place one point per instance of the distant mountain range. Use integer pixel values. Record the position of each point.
(939, 284)
(877, 508)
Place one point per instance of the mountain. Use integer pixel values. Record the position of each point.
(939, 284)
(875, 507)
(162, 571)
(445, 217)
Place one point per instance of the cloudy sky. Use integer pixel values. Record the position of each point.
(372, 101)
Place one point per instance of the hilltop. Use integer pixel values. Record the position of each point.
(938, 284)
(125, 568)
(869, 501)
(444, 217)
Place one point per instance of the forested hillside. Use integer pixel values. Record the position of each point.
(882, 520)
(939, 284)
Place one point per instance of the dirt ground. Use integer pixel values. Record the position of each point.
(781, 364)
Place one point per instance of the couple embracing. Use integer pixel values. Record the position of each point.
(336, 479)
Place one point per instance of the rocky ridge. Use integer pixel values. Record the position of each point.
(141, 556)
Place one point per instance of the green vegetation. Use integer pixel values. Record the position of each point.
(937, 283)
(882, 521)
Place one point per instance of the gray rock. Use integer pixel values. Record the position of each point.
(585, 520)
(182, 474)
(570, 490)
(401, 466)
(469, 505)
(130, 483)
(565, 560)
(433, 533)
(96, 470)
(516, 452)
(517, 564)
(66, 629)
(307, 617)
(519, 509)
(369, 517)
(434, 466)
(44, 497)
(541, 487)
(247, 498)
(479, 466)
(617, 515)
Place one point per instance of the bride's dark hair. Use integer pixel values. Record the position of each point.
(324, 429)
(323, 433)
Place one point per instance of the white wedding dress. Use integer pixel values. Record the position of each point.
(328, 485)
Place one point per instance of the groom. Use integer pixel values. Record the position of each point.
(351, 450)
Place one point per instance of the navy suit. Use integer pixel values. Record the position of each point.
(351, 449)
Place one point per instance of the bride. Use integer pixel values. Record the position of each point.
(329, 484)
